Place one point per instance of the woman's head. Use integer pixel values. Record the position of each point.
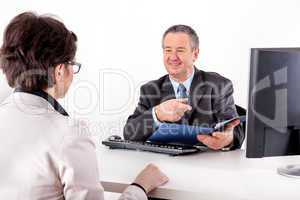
(36, 51)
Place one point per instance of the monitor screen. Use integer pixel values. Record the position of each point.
(273, 120)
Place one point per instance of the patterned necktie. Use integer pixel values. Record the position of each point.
(181, 91)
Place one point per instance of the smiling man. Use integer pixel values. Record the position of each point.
(185, 95)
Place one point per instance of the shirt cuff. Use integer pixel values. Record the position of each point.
(157, 123)
(228, 147)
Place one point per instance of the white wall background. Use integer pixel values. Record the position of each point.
(119, 45)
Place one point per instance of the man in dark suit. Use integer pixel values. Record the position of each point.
(186, 95)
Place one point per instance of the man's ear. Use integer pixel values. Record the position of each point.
(196, 54)
(59, 71)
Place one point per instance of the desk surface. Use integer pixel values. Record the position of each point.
(209, 175)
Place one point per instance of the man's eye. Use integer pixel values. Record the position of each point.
(168, 50)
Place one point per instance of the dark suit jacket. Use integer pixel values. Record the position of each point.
(210, 97)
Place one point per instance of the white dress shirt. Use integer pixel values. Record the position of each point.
(45, 155)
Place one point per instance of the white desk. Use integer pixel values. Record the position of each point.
(205, 176)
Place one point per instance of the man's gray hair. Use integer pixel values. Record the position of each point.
(180, 28)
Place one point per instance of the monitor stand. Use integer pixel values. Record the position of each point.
(292, 171)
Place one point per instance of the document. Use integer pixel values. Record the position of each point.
(186, 134)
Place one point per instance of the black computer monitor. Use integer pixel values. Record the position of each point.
(273, 120)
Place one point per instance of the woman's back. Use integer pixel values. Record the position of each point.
(36, 153)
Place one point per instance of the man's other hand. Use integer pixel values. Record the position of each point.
(219, 140)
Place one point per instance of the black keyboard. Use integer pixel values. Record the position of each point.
(170, 149)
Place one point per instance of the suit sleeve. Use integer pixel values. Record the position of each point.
(140, 125)
(224, 108)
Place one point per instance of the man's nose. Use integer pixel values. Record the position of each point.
(174, 56)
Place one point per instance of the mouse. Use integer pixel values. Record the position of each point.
(114, 137)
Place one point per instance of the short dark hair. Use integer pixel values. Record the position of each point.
(32, 46)
(180, 28)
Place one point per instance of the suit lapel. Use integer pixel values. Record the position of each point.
(197, 90)
(167, 90)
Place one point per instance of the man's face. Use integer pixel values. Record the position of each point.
(179, 56)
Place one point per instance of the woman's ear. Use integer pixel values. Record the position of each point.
(59, 71)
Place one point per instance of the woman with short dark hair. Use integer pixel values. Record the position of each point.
(44, 153)
(35, 45)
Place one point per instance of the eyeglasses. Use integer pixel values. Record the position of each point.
(76, 66)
